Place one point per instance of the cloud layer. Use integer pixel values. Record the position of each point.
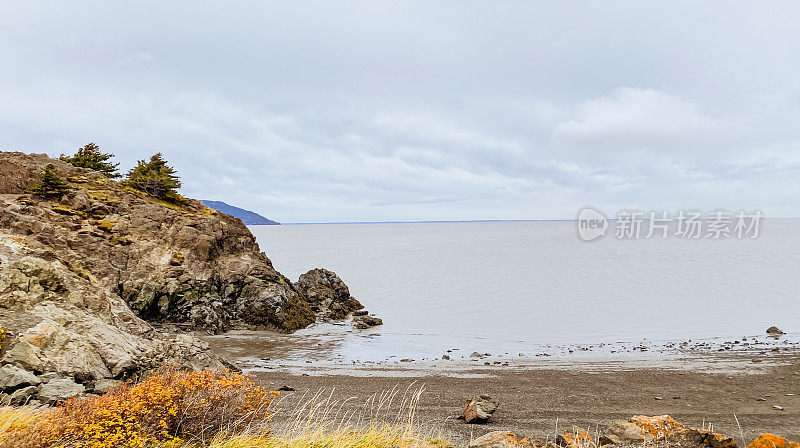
(414, 110)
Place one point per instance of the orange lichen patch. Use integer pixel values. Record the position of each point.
(767, 440)
(501, 439)
(658, 426)
(575, 439)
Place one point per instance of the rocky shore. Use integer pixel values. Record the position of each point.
(91, 280)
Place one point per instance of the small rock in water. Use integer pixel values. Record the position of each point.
(774, 331)
(286, 389)
(406, 360)
(445, 357)
(475, 355)
(364, 322)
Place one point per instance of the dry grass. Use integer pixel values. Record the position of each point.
(215, 410)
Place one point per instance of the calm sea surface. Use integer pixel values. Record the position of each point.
(485, 285)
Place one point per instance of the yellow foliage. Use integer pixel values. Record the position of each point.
(167, 410)
(2, 337)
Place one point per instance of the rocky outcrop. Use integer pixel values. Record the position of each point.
(327, 294)
(84, 276)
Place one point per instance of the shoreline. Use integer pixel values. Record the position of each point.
(338, 348)
(694, 386)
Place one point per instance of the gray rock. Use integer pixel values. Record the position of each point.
(21, 396)
(13, 377)
(59, 390)
(479, 409)
(104, 385)
(45, 377)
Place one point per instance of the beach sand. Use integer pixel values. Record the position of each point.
(703, 388)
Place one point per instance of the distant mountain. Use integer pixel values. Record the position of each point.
(247, 217)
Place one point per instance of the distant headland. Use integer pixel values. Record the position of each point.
(248, 218)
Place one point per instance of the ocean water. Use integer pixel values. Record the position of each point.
(516, 285)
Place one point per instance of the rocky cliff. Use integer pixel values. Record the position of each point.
(83, 276)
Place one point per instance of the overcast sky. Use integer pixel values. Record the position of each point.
(369, 111)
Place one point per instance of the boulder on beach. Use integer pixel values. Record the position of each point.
(774, 331)
(644, 429)
(479, 409)
(503, 439)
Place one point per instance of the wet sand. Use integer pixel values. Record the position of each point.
(696, 387)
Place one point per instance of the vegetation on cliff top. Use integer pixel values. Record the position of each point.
(90, 156)
(155, 178)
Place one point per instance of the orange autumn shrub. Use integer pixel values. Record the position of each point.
(767, 440)
(168, 409)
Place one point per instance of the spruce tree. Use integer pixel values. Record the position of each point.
(90, 156)
(51, 184)
(155, 178)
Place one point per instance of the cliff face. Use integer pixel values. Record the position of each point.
(81, 274)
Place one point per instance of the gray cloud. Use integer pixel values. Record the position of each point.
(413, 110)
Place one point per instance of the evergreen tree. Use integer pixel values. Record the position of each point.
(51, 184)
(155, 178)
(90, 156)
